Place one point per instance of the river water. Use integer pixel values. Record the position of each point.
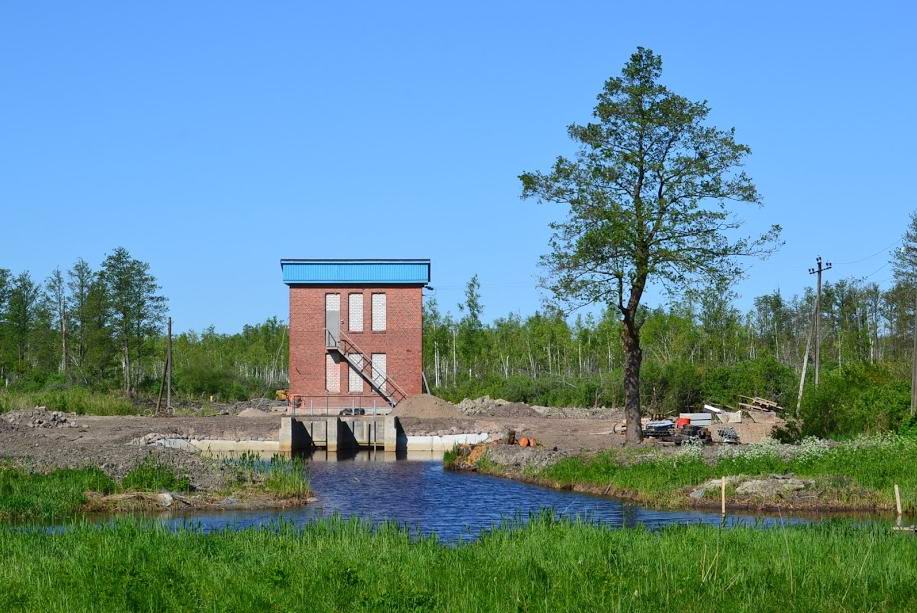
(455, 506)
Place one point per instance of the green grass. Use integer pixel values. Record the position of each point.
(862, 469)
(281, 476)
(337, 565)
(47, 497)
(69, 400)
(151, 475)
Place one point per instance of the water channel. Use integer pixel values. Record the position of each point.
(427, 499)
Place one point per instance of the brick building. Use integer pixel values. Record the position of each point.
(355, 331)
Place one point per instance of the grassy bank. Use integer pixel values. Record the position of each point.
(856, 474)
(69, 400)
(56, 495)
(27, 496)
(546, 565)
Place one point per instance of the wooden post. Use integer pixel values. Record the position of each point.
(723, 496)
(898, 500)
(820, 267)
(169, 369)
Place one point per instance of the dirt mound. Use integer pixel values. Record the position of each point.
(425, 406)
(490, 407)
(252, 412)
(39, 417)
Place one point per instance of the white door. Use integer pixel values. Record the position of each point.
(379, 373)
(332, 319)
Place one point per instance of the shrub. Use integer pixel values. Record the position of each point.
(854, 399)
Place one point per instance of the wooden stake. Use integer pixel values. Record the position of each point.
(898, 500)
(723, 496)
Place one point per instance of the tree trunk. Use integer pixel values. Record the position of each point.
(63, 334)
(633, 356)
(127, 371)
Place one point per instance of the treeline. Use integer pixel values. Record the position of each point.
(103, 329)
(701, 348)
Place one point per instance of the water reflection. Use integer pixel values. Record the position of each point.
(419, 494)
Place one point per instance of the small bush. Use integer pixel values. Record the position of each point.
(855, 399)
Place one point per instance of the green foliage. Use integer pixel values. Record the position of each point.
(287, 477)
(200, 379)
(666, 388)
(545, 565)
(281, 476)
(864, 470)
(47, 497)
(71, 400)
(853, 399)
(152, 475)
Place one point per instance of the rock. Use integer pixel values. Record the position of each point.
(711, 485)
(774, 486)
(164, 499)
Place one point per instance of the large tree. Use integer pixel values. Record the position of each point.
(135, 306)
(647, 197)
(905, 267)
(21, 316)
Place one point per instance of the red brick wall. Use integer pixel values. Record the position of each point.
(401, 341)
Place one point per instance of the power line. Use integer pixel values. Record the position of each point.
(880, 251)
(880, 268)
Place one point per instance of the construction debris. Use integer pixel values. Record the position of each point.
(759, 404)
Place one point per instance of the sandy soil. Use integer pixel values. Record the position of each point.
(43, 440)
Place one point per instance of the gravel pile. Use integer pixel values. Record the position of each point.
(39, 417)
(486, 406)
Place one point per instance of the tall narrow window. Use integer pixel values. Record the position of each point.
(332, 374)
(379, 373)
(355, 382)
(355, 312)
(378, 312)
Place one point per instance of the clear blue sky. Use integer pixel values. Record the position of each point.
(213, 138)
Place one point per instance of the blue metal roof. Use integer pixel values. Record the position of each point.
(361, 272)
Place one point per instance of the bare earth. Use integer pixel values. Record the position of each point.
(38, 440)
(43, 440)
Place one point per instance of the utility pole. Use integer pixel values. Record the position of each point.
(820, 267)
(166, 383)
(169, 370)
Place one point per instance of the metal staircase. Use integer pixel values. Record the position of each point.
(381, 383)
